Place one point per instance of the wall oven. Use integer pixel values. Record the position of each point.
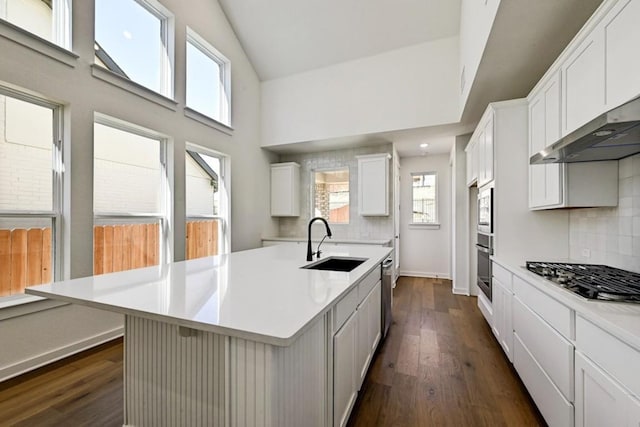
(485, 239)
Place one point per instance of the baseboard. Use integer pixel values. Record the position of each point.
(57, 354)
(425, 274)
(460, 291)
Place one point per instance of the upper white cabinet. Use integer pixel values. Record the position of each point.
(621, 34)
(583, 82)
(285, 189)
(472, 162)
(373, 184)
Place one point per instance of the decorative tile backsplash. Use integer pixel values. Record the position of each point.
(359, 227)
(611, 235)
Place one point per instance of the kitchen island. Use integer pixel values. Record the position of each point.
(247, 338)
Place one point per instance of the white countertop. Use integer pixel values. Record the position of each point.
(379, 242)
(619, 319)
(260, 294)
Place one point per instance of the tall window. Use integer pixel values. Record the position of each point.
(208, 79)
(30, 192)
(48, 19)
(207, 204)
(134, 38)
(130, 197)
(424, 196)
(331, 195)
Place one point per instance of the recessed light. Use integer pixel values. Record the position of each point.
(424, 145)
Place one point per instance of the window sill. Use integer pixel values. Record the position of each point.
(420, 226)
(21, 305)
(207, 121)
(29, 40)
(130, 86)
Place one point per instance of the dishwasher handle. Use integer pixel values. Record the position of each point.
(387, 263)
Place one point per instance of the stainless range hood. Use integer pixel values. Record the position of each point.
(611, 136)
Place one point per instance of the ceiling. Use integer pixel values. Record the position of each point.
(284, 37)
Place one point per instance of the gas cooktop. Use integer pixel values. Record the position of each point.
(592, 281)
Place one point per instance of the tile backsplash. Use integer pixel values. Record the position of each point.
(359, 227)
(611, 235)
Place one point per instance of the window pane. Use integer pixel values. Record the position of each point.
(332, 195)
(34, 16)
(125, 244)
(26, 253)
(130, 36)
(127, 172)
(424, 198)
(204, 83)
(204, 195)
(26, 156)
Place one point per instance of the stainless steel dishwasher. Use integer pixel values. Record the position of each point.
(387, 296)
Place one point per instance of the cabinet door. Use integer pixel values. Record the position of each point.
(472, 163)
(599, 400)
(622, 36)
(285, 185)
(373, 185)
(502, 317)
(344, 373)
(368, 331)
(482, 171)
(583, 81)
(488, 150)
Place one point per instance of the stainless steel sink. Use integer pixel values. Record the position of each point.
(334, 263)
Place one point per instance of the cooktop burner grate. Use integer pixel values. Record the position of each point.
(592, 281)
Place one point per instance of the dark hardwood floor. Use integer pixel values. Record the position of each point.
(439, 366)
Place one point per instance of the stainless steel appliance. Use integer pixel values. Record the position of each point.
(485, 210)
(611, 136)
(485, 250)
(387, 294)
(591, 281)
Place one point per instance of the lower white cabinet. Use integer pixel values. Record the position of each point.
(502, 316)
(344, 372)
(354, 344)
(600, 401)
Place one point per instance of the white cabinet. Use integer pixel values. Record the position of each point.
(368, 331)
(344, 371)
(621, 37)
(600, 401)
(472, 162)
(483, 139)
(583, 82)
(502, 298)
(285, 189)
(373, 184)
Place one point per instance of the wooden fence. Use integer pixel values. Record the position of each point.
(25, 254)
(25, 259)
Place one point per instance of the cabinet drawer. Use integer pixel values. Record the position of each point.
(366, 284)
(555, 409)
(503, 275)
(559, 316)
(609, 353)
(551, 351)
(345, 308)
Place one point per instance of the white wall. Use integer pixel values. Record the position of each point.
(476, 20)
(611, 235)
(460, 218)
(410, 87)
(424, 251)
(82, 94)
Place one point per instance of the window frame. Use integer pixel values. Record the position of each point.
(313, 190)
(224, 63)
(56, 214)
(436, 201)
(165, 214)
(167, 58)
(61, 23)
(224, 216)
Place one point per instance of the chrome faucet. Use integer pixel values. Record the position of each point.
(326, 225)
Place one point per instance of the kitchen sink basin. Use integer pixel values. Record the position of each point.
(334, 263)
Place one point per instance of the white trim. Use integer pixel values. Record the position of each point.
(62, 23)
(424, 226)
(22, 304)
(57, 354)
(31, 41)
(207, 121)
(133, 87)
(445, 276)
(223, 62)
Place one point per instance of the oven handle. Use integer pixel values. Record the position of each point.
(483, 249)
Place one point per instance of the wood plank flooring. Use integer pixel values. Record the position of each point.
(439, 366)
